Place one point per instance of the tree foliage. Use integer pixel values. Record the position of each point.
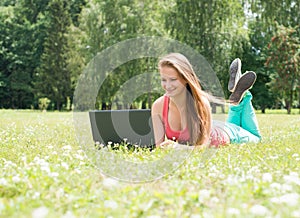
(213, 28)
(284, 58)
(263, 18)
(46, 44)
(52, 78)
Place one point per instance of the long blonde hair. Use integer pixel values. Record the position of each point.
(198, 108)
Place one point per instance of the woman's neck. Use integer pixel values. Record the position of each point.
(179, 101)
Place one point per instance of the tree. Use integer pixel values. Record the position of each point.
(21, 44)
(260, 21)
(53, 78)
(105, 23)
(6, 16)
(253, 59)
(75, 10)
(284, 58)
(213, 28)
(8, 3)
(285, 12)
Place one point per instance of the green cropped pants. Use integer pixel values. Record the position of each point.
(241, 124)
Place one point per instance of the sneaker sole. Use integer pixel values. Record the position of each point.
(234, 69)
(245, 82)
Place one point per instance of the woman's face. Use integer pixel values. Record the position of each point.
(171, 81)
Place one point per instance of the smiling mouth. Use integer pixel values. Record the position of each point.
(169, 91)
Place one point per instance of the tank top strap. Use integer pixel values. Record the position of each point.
(182, 136)
(165, 109)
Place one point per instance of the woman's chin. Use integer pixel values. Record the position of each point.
(169, 94)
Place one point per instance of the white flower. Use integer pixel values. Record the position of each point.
(45, 168)
(295, 155)
(36, 195)
(40, 212)
(259, 210)
(65, 165)
(41, 162)
(16, 179)
(54, 174)
(267, 177)
(286, 188)
(254, 169)
(207, 215)
(233, 211)
(231, 179)
(9, 164)
(1, 206)
(213, 175)
(67, 147)
(109, 182)
(296, 213)
(273, 157)
(3, 181)
(80, 151)
(79, 157)
(77, 171)
(275, 185)
(111, 204)
(289, 199)
(295, 174)
(203, 195)
(292, 178)
(24, 159)
(215, 200)
(68, 214)
(176, 164)
(195, 216)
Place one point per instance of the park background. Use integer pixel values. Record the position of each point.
(45, 46)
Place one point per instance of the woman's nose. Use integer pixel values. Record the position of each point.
(168, 84)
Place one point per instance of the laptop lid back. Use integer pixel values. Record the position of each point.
(134, 126)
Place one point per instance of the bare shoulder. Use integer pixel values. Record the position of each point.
(158, 105)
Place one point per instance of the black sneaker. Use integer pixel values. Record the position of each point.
(245, 82)
(234, 73)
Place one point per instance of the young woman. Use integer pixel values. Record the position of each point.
(183, 113)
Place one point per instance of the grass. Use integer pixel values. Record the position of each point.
(45, 173)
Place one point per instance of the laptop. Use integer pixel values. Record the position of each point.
(116, 126)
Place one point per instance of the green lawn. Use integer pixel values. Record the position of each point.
(45, 173)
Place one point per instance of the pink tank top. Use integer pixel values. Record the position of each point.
(182, 136)
(218, 135)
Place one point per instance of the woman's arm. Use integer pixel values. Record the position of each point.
(158, 127)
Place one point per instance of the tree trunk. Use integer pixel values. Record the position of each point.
(288, 106)
(103, 106)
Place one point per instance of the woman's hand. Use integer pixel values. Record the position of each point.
(167, 144)
(173, 144)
